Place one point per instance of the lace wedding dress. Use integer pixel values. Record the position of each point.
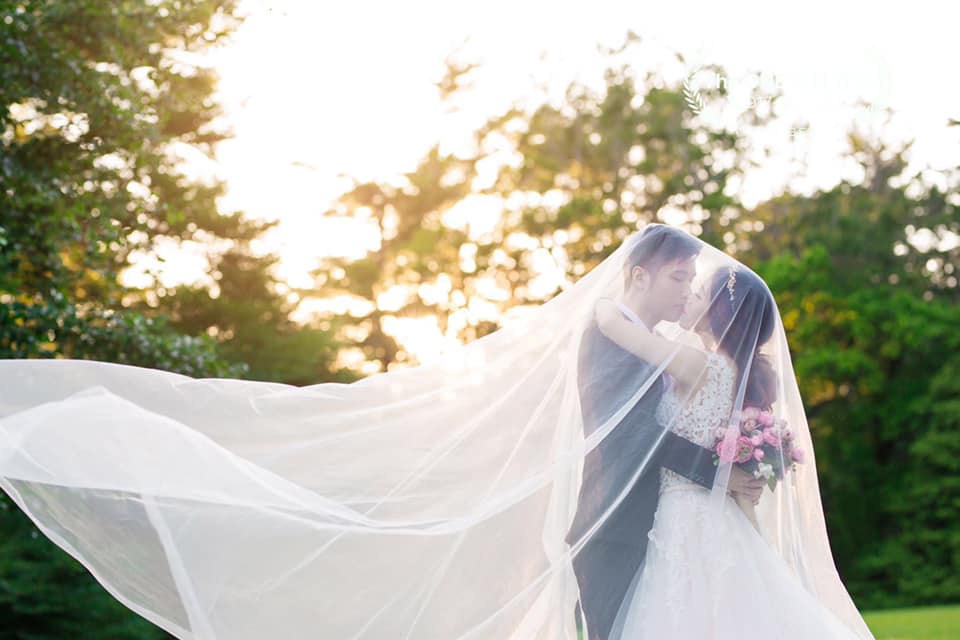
(709, 580)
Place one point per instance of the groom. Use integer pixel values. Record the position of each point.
(658, 273)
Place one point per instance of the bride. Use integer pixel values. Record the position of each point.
(435, 501)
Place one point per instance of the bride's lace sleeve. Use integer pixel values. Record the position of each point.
(688, 448)
(697, 415)
(720, 380)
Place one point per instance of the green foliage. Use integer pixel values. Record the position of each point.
(614, 159)
(919, 560)
(89, 104)
(871, 317)
(46, 594)
(60, 329)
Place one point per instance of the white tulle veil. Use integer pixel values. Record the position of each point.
(446, 501)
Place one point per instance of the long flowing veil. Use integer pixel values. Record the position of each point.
(445, 501)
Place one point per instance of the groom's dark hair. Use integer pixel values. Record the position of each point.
(658, 245)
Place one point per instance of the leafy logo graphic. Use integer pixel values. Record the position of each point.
(691, 94)
(695, 100)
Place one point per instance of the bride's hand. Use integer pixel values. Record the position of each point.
(745, 484)
(755, 501)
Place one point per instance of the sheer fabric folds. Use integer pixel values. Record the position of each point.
(467, 499)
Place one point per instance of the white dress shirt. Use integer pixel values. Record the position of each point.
(627, 311)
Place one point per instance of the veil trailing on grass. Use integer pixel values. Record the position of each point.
(446, 501)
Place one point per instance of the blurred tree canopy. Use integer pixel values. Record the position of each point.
(91, 105)
(99, 99)
(97, 94)
(864, 274)
(610, 159)
(96, 100)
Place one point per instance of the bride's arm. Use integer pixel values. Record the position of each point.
(686, 366)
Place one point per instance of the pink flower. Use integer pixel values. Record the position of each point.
(756, 439)
(758, 454)
(751, 413)
(797, 454)
(744, 449)
(771, 438)
(727, 450)
(765, 418)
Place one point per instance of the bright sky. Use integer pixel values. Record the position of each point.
(316, 90)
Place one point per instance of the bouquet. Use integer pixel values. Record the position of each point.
(761, 445)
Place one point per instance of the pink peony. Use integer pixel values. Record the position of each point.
(765, 418)
(758, 454)
(797, 454)
(771, 438)
(744, 449)
(727, 450)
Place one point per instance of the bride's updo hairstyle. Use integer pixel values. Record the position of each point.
(740, 293)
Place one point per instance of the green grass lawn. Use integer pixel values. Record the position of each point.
(923, 623)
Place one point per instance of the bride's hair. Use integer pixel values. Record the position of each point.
(741, 338)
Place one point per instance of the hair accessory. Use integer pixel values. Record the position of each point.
(731, 281)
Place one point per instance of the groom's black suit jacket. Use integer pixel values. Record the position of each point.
(607, 563)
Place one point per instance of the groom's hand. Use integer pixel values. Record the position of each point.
(745, 484)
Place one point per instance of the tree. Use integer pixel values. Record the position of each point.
(606, 163)
(870, 315)
(92, 103)
(94, 96)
